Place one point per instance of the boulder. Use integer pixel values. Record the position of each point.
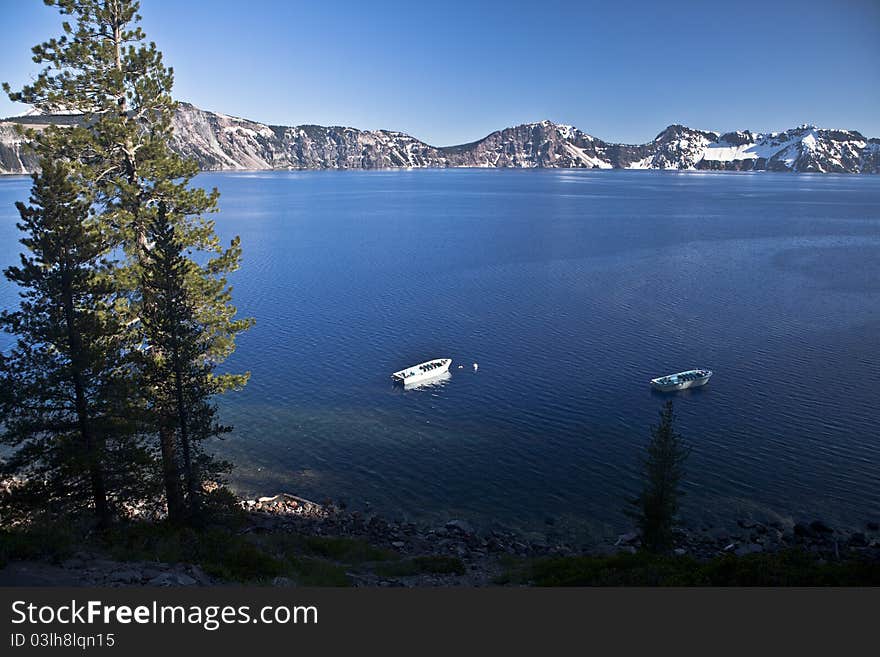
(459, 526)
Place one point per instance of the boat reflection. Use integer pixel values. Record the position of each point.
(687, 392)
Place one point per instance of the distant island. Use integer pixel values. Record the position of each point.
(220, 142)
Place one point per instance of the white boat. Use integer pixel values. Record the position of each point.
(430, 369)
(681, 380)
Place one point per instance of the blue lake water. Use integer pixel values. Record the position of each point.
(571, 289)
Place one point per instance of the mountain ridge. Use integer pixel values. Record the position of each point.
(222, 142)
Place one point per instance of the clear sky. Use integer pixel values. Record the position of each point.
(451, 72)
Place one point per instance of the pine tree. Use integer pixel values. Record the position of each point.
(64, 381)
(103, 67)
(656, 507)
(181, 372)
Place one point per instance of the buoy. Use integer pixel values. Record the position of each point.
(476, 367)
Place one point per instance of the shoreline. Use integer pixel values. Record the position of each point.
(705, 542)
(411, 554)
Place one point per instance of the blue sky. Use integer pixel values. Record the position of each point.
(451, 72)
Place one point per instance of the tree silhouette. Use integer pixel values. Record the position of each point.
(656, 507)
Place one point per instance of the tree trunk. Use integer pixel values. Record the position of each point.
(90, 442)
(127, 146)
(169, 470)
(192, 491)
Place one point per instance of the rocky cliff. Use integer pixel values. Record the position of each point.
(221, 142)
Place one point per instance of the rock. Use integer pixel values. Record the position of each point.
(185, 580)
(628, 538)
(397, 544)
(200, 575)
(803, 531)
(165, 579)
(873, 526)
(73, 563)
(282, 581)
(729, 548)
(858, 540)
(679, 552)
(459, 526)
(172, 579)
(750, 548)
(821, 527)
(495, 545)
(125, 576)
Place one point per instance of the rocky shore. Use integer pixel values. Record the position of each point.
(480, 556)
(480, 551)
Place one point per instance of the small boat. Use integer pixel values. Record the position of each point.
(681, 380)
(430, 369)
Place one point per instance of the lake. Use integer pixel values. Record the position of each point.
(571, 289)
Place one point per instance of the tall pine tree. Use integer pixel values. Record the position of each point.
(180, 372)
(103, 67)
(65, 392)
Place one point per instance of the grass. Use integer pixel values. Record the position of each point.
(349, 550)
(52, 543)
(223, 552)
(309, 571)
(437, 565)
(217, 543)
(789, 568)
(220, 547)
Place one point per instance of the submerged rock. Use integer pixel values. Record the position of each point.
(821, 527)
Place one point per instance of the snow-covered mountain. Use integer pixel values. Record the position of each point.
(221, 142)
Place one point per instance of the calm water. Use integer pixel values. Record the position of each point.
(571, 290)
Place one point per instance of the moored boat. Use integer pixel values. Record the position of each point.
(682, 380)
(430, 369)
